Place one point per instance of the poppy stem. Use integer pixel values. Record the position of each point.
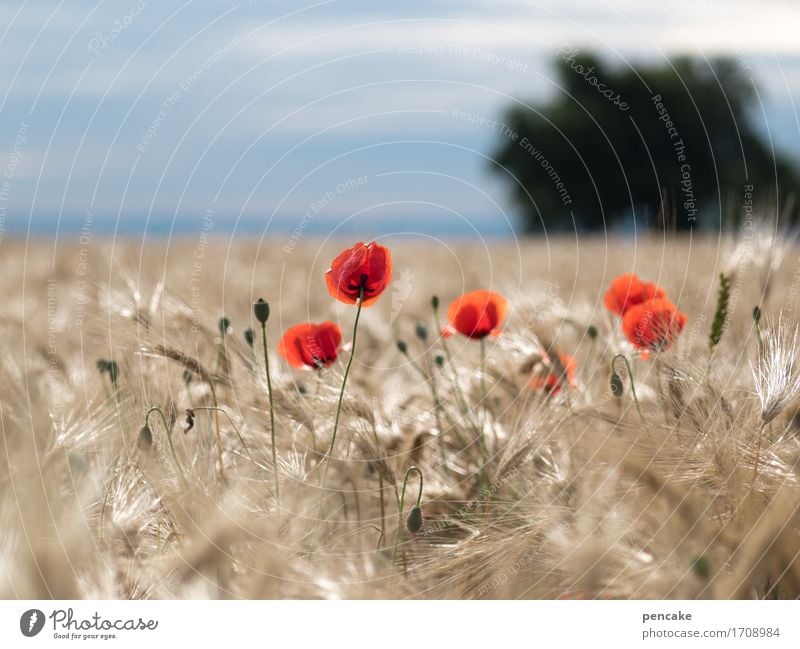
(329, 453)
(271, 416)
(235, 427)
(209, 381)
(449, 358)
(437, 409)
(756, 464)
(169, 434)
(590, 361)
(484, 398)
(757, 322)
(429, 380)
(633, 383)
(482, 367)
(659, 380)
(217, 430)
(401, 504)
(220, 355)
(383, 509)
(187, 379)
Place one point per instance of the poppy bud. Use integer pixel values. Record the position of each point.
(261, 311)
(250, 336)
(113, 371)
(439, 360)
(435, 302)
(145, 441)
(414, 520)
(402, 347)
(422, 331)
(757, 314)
(701, 566)
(591, 331)
(616, 385)
(224, 325)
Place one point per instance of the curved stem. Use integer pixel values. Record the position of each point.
(169, 434)
(192, 364)
(271, 415)
(355, 498)
(633, 383)
(401, 504)
(233, 423)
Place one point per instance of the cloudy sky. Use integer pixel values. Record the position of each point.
(148, 114)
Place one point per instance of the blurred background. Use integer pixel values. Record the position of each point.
(355, 118)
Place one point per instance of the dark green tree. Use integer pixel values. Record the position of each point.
(676, 143)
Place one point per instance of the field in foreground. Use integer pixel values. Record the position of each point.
(527, 494)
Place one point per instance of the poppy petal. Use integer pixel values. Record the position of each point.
(364, 266)
(477, 314)
(553, 376)
(653, 324)
(310, 345)
(627, 290)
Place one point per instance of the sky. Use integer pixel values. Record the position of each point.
(327, 117)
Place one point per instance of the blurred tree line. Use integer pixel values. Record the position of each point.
(674, 145)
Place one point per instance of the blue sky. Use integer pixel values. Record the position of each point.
(151, 113)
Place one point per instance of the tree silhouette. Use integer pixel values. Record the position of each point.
(621, 143)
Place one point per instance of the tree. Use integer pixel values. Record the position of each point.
(617, 142)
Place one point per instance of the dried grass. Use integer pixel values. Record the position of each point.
(578, 498)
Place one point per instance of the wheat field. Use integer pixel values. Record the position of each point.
(691, 493)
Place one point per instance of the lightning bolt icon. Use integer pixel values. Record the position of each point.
(32, 620)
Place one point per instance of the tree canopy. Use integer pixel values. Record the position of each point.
(620, 143)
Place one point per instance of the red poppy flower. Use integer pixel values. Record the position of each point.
(654, 324)
(552, 376)
(628, 290)
(476, 314)
(311, 345)
(368, 265)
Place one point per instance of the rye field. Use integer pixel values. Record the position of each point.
(548, 446)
